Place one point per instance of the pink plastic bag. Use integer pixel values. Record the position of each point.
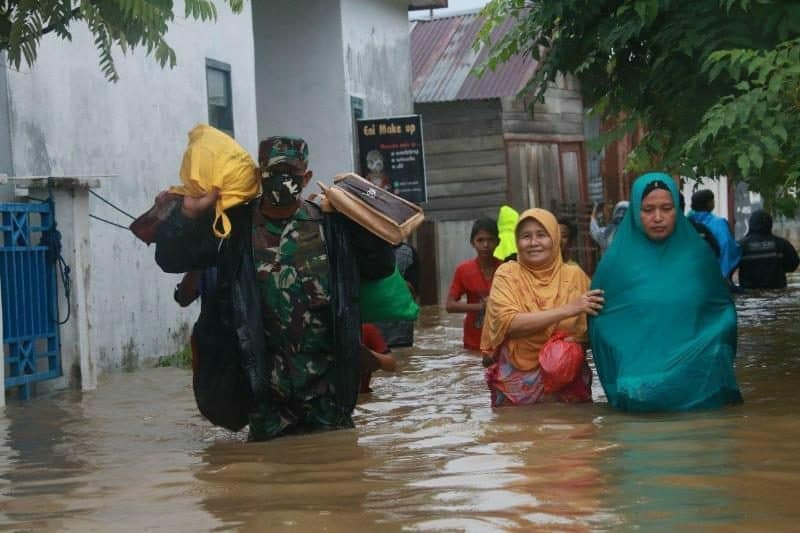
(561, 361)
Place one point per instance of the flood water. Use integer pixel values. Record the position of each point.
(428, 454)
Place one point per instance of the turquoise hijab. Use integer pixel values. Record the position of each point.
(666, 338)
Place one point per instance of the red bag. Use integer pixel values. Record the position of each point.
(561, 361)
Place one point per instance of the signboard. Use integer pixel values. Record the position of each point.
(391, 156)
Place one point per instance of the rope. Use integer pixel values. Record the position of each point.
(52, 238)
(108, 222)
(112, 205)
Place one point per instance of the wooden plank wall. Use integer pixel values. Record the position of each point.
(464, 159)
(466, 171)
(561, 115)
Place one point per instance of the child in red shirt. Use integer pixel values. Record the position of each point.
(473, 277)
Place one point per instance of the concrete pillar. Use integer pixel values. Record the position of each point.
(71, 199)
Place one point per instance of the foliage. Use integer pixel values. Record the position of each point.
(125, 24)
(179, 359)
(714, 83)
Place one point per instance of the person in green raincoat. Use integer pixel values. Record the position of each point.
(666, 338)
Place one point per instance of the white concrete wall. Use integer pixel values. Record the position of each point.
(308, 66)
(300, 81)
(66, 119)
(376, 55)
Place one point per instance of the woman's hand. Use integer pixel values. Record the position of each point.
(590, 302)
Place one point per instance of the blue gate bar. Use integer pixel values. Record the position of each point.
(30, 298)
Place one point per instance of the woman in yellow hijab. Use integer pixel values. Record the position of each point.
(530, 299)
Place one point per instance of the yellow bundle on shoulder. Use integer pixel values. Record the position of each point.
(215, 159)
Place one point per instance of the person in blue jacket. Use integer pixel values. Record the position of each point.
(730, 253)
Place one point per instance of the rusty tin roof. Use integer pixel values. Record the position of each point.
(443, 59)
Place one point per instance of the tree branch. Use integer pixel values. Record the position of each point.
(69, 16)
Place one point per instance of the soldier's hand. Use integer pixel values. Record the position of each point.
(193, 206)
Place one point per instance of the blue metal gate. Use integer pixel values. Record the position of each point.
(30, 300)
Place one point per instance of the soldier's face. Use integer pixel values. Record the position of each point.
(282, 185)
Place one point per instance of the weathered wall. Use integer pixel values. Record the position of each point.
(464, 158)
(465, 163)
(6, 166)
(376, 55)
(561, 113)
(453, 247)
(533, 139)
(308, 67)
(66, 119)
(300, 79)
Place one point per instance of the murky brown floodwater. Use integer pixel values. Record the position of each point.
(428, 454)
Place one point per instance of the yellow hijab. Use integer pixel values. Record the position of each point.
(520, 288)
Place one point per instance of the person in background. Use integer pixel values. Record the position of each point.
(666, 338)
(604, 235)
(531, 298)
(730, 253)
(701, 229)
(568, 231)
(507, 219)
(766, 258)
(473, 278)
(375, 356)
(401, 333)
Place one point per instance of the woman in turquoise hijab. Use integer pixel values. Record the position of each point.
(666, 338)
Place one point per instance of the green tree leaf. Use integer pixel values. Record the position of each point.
(115, 24)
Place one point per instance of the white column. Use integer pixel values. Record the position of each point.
(80, 287)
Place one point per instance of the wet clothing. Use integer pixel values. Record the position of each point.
(518, 288)
(468, 279)
(293, 279)
(284, 325)
(730, 254)
(666, 337)
(510, 386)
(603, 236)
(766, 258)
(401, 332)
(707, 236)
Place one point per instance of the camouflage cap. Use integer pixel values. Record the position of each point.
(292, 151)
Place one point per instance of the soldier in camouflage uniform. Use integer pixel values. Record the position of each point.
(293, 279)
(293, 362)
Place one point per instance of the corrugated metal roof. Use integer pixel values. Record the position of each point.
(442, 60)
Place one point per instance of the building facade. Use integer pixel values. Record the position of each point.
(281, 67)
(487, 146)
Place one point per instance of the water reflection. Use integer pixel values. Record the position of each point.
(674, 472)
(428, 454)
